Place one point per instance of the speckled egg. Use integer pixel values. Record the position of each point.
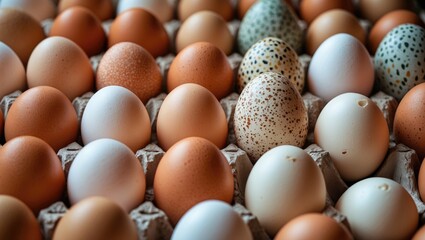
(400, 60)
(269, 112)
(269, 18)
(271, 55)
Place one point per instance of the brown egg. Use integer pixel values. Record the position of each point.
(31, 171)
(188, 7)
(129, 65)
(60, 63)
(17, 221)
(95, 218)
(243, 6)
(192, 171)
(205, 26)
(23, 41)
(202, 63)
(81, 26)
(372, 10)
(139, 26)
(191, 110)
(387, 22)
(313, 226)
(409, 121)
(1, 123)
(420, 234)
(330, 23)
(310, 9)
(43, 112)
(103, 9)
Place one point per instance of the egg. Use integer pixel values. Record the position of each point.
(313, 226)
(283, 184)
(108, 168)
(420, 234)
(95, 218)
(188, 7)
(43, 112)
(400, 60)
(353, 130)
(191, 110)
(1, 123)
(30, 163)
(269, 112)
(191, 171)
(421, 180)
(243, 6)
(372, 10)
(210, 220)
(387, 22)
(205, 64)
(12, 71)
(103, 9)
(60, 63)
(140, 26)
(330, 23)
(341, 64)
(26, 39)
(39, 10)
(131, 66)
(310, 9)
(270, 55)
(162, 9)
(116, 112)
(379, 208)
(273, 18)
(82, 27)
(205, 26)
(17, 221)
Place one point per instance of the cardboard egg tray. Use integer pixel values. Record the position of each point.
(401, 163)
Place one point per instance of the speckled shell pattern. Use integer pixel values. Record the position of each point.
(269, 18)
(270, 112)
(271, 55)
(400, 60)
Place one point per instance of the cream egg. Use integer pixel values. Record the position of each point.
(12, 71)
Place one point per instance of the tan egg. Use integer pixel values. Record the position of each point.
(95, 218)
(387, 22)
(420, 234)
(330, 23)
(162, 9)
(40, 10)
(243, 6)
(31, 171)
(81, 26)
(60, 63)
(192, 171)
(188, 7)
(103, 9)
(202, 63)
(372, 10)
(310, 9)
(12, 71)
(313, 226)
(139, 26)
(43, 112)
(1, 123)
(26, 39)
(191, 110)
(129, 65)
(17, 221)
(205, 26)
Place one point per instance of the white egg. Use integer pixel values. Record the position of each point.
(210, 220)
(39, 10)
(283, 184)
(162, 9)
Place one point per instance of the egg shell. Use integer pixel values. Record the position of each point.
(211, 220)
(95, 218)
(297, 187)
(400, 60)
(191, 171)
(341, 64)
(271, 55)
(354, 132)
(379, 208)
(116, 112)
(39, 10)
(310, 9)
(12, 71)
(103, 9)
(269, 18)
(162, 9)
(186, 8)
(60, 63)
(107, 167)
(372, 10)
(420, 234)
(269, 112)
(17, 220)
